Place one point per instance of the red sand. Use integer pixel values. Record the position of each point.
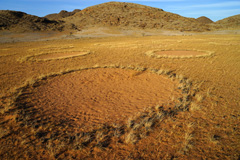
(98, 96)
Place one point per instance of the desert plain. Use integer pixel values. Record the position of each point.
(105, 93)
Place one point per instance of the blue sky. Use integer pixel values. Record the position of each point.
(214, 9)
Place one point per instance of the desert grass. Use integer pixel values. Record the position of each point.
(7, 55)
(199, 97)
(194, 107)
(50, 48)
(131, 137)
(152, 53)
(187, 144)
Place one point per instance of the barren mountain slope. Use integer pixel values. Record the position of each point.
(62, 14)
(230, 22)
(204, 20)
(133, 15)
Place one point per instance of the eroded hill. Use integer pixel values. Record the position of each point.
(22, 22)
(112, 14)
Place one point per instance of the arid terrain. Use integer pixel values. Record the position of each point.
(120, 90)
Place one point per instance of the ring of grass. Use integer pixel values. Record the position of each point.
(35, 56)
(133, 130)
(154, 54)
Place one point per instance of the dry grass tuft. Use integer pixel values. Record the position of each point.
(130, 122)
(131, 138)
(194, 107)
(199, 97)
(187, 145)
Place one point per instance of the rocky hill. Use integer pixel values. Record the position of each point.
(132, 15)
(204, 20)
(22, 22)
(62, 14)
(232, 22)
(111, 14)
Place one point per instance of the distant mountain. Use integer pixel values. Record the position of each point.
(204, 20)
(114, 14)
(62, 14)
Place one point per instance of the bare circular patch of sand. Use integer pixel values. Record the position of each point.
(62, 55)
(178, 53)
(102, 95)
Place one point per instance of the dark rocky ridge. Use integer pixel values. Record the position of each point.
(21, 22)
(62, 14)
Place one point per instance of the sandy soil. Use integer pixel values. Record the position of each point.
(180, 53)
(98, 96)
(9, 37)
(94, 32)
